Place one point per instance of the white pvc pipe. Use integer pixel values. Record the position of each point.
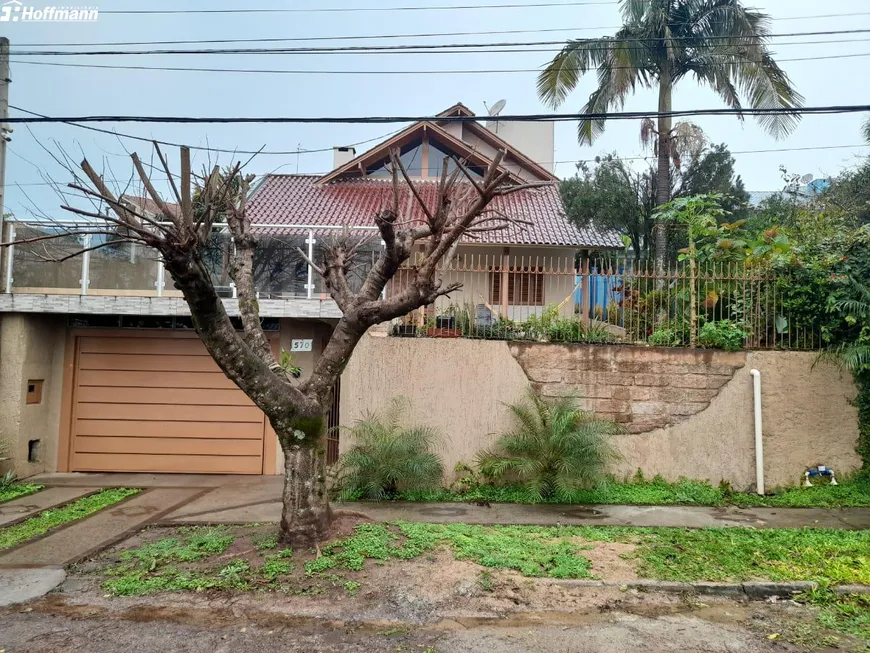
(759, 445)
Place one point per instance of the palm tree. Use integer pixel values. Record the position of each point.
(865, 130)
(719, 42)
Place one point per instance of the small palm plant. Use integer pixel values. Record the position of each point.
(553, 448)
(388, 457)
(854, 355)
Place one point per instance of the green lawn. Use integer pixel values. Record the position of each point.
(16, 490)
(196, 559)
(712, 554)
(851, 493)
(48, 519)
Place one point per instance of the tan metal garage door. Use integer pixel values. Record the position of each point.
(157, 402)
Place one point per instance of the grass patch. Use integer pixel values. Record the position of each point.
(849, 614)
(202, 558)
(49, 519)
(196, 559)
(16, 490)
(850, 493)
(715, 554)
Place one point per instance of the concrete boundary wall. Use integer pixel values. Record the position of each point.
(461, 386)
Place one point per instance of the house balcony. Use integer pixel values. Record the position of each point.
(89, 274)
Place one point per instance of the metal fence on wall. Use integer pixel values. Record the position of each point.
(505, 296)
(563, 299)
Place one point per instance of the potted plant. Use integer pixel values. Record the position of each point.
(406, 328)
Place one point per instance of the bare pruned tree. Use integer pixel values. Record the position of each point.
(408, 223)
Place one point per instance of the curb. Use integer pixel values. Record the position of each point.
(755, 590)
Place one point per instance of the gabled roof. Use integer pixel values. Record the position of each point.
(410, 133)
(303, 200)
(495, 141)
(459, 147)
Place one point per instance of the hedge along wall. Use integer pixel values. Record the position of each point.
(685, 412)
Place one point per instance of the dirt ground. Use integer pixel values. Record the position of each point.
(430, 604)
(616, 624)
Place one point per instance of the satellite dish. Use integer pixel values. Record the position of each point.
(807, 178)
(496, 108)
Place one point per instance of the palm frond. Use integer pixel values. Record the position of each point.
(386, 456)
(852, 357)
(865, 130)
(554, 447)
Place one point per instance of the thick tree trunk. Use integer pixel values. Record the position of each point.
(306, 515)
(663, 172)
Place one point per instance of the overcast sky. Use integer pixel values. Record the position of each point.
(81, 91)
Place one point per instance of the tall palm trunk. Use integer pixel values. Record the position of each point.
(663, 173)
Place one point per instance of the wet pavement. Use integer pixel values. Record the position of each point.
(243, 499)
(27, 506)
(73, 542)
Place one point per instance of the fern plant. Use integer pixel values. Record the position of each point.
(388, 457)
(554, 448)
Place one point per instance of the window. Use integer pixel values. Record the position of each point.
(437, 154)
(525, 286)
(411, 156)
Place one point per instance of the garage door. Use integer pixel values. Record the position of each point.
(157, 402)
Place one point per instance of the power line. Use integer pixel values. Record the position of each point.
(428, 48)
(463, 71)
(388, 36)
(312, 10)
(593, 160)
(533, 117)
(206, 149)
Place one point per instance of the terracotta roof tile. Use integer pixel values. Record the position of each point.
(299, 200)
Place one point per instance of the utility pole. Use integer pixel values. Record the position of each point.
(5, 256)
(4, 128)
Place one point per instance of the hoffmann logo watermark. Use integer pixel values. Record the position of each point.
(15, 11)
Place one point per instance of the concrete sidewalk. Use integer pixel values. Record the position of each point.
(242, 499)
(227, 506)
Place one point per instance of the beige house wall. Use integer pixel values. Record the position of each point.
(31, 348)
(461, 386)
(534, 139)
(558, 283)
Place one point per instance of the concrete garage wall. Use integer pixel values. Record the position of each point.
(686, 413)
(31, 348)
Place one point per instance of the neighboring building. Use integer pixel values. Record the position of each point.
(801, 194)
(100, 369)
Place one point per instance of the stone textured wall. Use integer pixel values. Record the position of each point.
(687, 413)
(641, 388)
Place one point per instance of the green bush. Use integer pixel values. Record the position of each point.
(723, 334)
(388, 457)
(554, 448)
(665, 337)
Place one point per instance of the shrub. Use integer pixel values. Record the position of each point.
(723, 334)
(388, 457)
(553, 449)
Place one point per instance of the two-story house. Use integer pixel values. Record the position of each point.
(100, 369)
